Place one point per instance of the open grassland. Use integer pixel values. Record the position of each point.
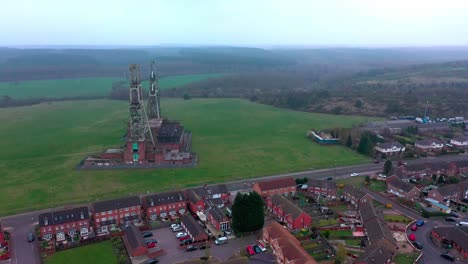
(101, 252)
(235, 139)
(84, 86)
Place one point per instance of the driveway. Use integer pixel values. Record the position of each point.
(170, 244)
(22, 251)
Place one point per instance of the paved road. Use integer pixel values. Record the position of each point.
(22, 224)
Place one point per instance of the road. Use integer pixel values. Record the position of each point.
(20, 225)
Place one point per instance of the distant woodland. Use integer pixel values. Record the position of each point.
(375, 82)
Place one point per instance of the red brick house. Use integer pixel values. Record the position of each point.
(283, 186)
(354, 195)
(325, 188)
(134, 241)
(165, 204)
(286, 211)
(195, 202)
(455, 236)
(286, 248)
(111, 214)
(219, 220)
(401, 189)
(214, 195)
(444, 194)
(64, 224)
(463, 187)
(194, 229)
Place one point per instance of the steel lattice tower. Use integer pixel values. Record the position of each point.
(139, 126)
(154, 109)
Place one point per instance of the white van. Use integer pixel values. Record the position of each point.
(462, 224)
(221, 240)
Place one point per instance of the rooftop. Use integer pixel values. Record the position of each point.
(457, 234)
(217, 214)
(63, 216)
(397, 183)
(117, 204)
(276, 183)
(287, 206)
(134, 237)
(192, 226)
(164, 198)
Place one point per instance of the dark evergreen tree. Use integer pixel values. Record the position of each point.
(349, 141)
(248, 212)
(388, 166)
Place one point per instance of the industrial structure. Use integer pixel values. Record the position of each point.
(151, 140)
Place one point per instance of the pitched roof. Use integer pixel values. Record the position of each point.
(216, 214)
(461, 139)
(388, 145)
(429, 142)
(377, 230)
(63, 216)
(192, 226)
(193, 196)
(397, 183)
(460, 163)
(134, 237)
(376, 254)
(276, 183)
(275, 231)
(116, 204)
(354, 192)
(457, 234)
(448, 189)
(367, 211)
(330, 185)
(163, 198)
(209, 190)
(287, 206)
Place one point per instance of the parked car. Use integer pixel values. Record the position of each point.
(354, 174)
(191, 248)
(262, 247)
(420, 223)
(228, 232)
(174, 226)
(181, 234)
(412, 237)
(257, 249)
(417, 245)
(151, 240)
(151, 261)
(184, 238)
(448, 257)
(151, 245)
(204, 247)
(382, 175)
(414, 227)
(250, 250)
(147, 234)
(329, 178)
(186, 242)
(450, 219)
(30, 237)
(454, 214)
(176, 229)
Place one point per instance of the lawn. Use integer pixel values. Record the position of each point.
(99, 86)
(235, 139)
(396, 218)
(353, 242)
(357, 181)
(405, 258)
(328, 222)
(378, 186)
(101, 252)
(335, 233)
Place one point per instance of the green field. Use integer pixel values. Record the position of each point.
(85, 86)
(101, 252)
(235, 139)
(407, 258)
(396, 218)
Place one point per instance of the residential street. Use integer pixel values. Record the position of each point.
(20, 225)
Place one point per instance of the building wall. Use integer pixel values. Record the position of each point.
(284, 191)
(66, 227)
(116, 214)
(302, 221)
(155, 211)
(196, 207)
(134, 252)
(318, 190)
(438, 239)
(434, 194)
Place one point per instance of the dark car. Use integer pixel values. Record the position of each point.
(30, 237)
(151, 240)
(417, 245)
(191, 248)
(454, 214)
(329, 178)
(204, 247)
(448, 257)
(450, 219)
(151, 261)
(257, 249)
(420, 223)
(147, 234)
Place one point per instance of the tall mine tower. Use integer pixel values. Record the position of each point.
(154, 109)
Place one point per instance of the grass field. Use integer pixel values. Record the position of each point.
(396, 218)
(101, 252)
(378, 186)
(85, 86)
(405, 258)
(234, 139)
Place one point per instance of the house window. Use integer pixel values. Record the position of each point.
(103, 219)
(84, 232)
(47, 236)
(72, 232)
(109, 212)
(49, 229)
(104, 229)
(126, 209)
(133, 213)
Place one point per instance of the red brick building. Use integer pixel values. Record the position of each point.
(214, 195)
(401, 189)
(286, 248)
(111, 214)
(195, 202)
(354, 195)
(134, 241)
(218, 219)
(63, 225)
(455, 236)
(444, 194)
(163, 205)
(285, 186)
(325, 188)
(194, 229)
(286, 211)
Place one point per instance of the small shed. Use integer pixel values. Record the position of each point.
(134, 241)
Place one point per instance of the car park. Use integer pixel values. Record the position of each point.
(420, 223)
(262, 247)
(448, 257)
(191, 248)
(414, 227)
(250, 250)
(30, 237)
(417, 245)
(257, 249)
(181, 234)
(147, 234)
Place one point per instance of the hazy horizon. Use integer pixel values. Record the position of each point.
(261, 23)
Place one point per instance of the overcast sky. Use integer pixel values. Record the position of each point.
(235, 22)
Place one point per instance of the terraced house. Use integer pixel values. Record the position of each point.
(286, 211)
(402, 189)
(163, 205)
(320, 187)
(219, 220)
(354, 195)
(111, 214)
(63, 224)
(285, 186)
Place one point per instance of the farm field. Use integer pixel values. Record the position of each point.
(101, 252)
(84, 86)
(235, 139)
